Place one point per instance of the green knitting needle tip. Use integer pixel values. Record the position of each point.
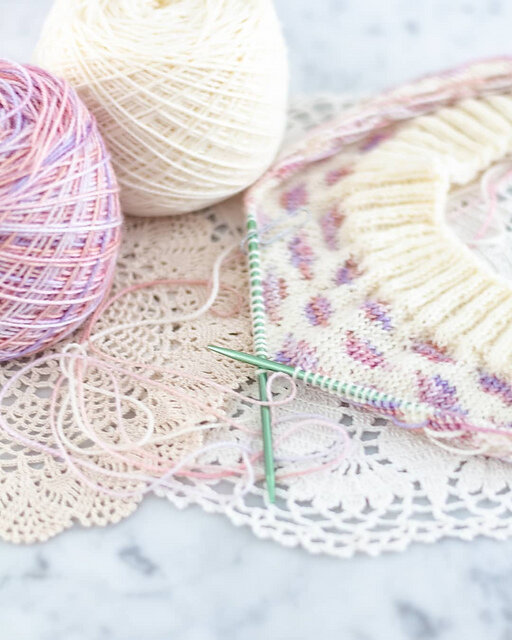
(266, 429)
(266, 424)
(269, 365)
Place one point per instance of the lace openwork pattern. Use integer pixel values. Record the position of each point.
(40, 495)
(391, 488)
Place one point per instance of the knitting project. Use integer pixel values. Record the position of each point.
(391, 488)
(359, 277)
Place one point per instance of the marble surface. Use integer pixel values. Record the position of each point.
(170, 575)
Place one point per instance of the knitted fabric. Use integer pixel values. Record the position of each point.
(359, 277)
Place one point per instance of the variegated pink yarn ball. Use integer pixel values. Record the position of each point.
(60, 219)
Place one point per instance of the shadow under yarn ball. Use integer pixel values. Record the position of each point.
(190, 95)
(60, 218)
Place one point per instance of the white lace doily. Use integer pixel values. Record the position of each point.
(393, 487)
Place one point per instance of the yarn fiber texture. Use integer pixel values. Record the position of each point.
(59, 211)
(190, 95)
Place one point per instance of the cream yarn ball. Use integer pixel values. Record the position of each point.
(190, 95)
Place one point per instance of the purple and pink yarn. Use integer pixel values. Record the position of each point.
(60, 219)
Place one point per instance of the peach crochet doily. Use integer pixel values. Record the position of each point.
(39, 494)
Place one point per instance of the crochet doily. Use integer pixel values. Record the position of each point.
(393, 487)
(40, 495)
(389, 489)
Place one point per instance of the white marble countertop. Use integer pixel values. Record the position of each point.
(170, 575)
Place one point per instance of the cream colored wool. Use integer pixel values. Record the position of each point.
(395, 203)
(190, 95)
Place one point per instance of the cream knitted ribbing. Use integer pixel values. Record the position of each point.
(189, 96)
(394, 203)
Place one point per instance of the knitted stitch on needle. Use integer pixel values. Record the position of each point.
(380, 290)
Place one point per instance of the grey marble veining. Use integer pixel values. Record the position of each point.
(170, 575)
(165, 574)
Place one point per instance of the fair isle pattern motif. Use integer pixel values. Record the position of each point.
(297, 353)
(375, 181)
(438, 392)
(377, 312)
(302, 256)
(275, 291)
(294, 199)
(318, 311)
(347, 273)
(432, 352)
(335, 175)
(330, 224)
(374, 140)
(497, 387)
(363, 351)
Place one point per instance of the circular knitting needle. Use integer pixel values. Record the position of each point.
(266, 421)
(351, 392)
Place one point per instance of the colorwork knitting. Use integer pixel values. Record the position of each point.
(374, 287)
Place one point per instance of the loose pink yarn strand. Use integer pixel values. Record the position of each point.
(139, 458)
(394, 110)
